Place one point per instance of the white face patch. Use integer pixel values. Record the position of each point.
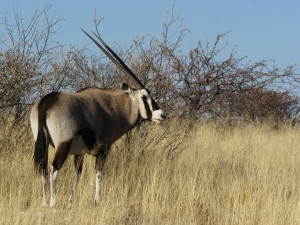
(149, 109)
(158, 116)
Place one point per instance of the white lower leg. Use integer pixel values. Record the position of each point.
(97, 180)
(53, 176)
(77, 178)
(44, 186)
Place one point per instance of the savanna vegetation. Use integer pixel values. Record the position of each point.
(218, 175)
(228, 153)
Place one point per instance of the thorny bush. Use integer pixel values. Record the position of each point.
(194, 85)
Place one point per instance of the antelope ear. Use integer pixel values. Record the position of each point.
(125, 87)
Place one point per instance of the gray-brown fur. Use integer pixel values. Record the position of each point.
(113, 106)
(88, 121)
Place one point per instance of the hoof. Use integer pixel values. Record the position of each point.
(97, 200)
(44, 204)
(52, 203)
(70, 205)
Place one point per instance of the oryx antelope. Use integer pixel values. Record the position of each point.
(88, 121)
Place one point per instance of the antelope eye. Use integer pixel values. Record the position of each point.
(144, 97)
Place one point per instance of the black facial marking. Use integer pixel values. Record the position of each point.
(154, 105)
(147, 108)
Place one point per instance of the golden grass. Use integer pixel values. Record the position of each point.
(229, 175)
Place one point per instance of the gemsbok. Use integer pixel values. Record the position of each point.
(88, 121)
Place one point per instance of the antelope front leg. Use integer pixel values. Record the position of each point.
(100, 160)
(44, 186)
(97, 184)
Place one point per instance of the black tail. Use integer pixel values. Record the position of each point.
(40, 156)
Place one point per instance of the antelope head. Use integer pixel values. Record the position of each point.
(149, 110)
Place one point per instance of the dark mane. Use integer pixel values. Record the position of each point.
(94, 87)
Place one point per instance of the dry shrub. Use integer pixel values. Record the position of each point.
(219, 175)
(197, 84)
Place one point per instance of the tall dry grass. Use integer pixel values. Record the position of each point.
(215, 175)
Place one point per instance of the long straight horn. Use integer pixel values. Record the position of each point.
(116, 60)
(121, 62)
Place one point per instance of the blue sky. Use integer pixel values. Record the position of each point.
(261, 29)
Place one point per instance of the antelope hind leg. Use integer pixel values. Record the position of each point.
(78, 161)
